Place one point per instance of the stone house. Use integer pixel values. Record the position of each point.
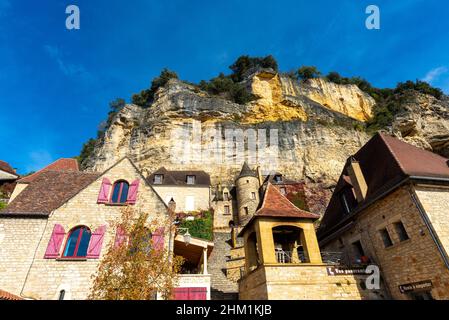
(56, 230)
(390, 208)
(189, 189)
(8, 178)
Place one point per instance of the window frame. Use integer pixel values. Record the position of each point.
(161, 176)
(283, 190)
(227, 210)
(191, 176)
(121, 182)
(384, 232)
(253, 196)
(78, 242)
(401, 231)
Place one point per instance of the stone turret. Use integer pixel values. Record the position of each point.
(247, 190)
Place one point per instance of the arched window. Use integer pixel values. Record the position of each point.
(120, 192)
(77, 243)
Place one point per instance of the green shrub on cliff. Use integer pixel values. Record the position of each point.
(308, 72)
(146, 97)
(244, 63)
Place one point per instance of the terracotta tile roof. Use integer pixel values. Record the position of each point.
(275, 204)
(385, 162)
(58, 165)
(180, 177)
(8, 296)
(4, 166)
(49, 191)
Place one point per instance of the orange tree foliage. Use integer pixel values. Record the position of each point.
(136, 269)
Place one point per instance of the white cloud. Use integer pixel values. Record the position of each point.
(434, 74)
(38, 160)
(69, 69)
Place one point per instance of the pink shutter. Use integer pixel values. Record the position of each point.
(103, 196)
(132, 193)
(158, 239)
(54, 245)
(197, 293)
(181, 294)
(120, 237)
(96, 242)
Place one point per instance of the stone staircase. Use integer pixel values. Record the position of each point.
(221, 287)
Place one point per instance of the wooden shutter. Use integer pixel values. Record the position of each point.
(132, 193)
(190, 293)
(181, 293)
(103, 196)
(54, 245)
(120, 237)
(158, 239)
(96, 242)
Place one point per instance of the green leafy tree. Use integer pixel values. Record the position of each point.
(244, 63)
(308, 72)
(146, 97)
(200, 227)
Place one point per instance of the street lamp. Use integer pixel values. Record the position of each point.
(186, 234)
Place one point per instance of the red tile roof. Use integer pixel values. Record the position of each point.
(48, 191)
(8, 296)
(275, 204)
(4, 166)
(58, 165)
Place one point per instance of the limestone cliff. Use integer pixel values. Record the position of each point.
(315, 123)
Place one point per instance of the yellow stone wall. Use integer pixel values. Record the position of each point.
(47, 277)
(413, 260)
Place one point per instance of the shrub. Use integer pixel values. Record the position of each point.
(308, 72)
(200, 227)
(146, 97)
(245, 63)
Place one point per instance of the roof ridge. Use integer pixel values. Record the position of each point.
(381, 135)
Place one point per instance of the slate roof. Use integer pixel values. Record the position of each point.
(58, 165)
(385, 162)
(4, 166)
(179, 178)
(246, 171)
(48, 191)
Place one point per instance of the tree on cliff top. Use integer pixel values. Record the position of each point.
(308, 72)
(245, 63)
(137, 265)
(146, 97)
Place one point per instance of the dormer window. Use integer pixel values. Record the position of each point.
(283, 191)
(278, 178)
(191, 179)
(158, 178)
(226, 196)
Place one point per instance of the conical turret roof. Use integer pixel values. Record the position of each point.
(246, 171)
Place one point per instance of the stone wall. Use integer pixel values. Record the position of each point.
(19, 238)
(413, 260)
(300, 282)
(200, 194)
(48, 277)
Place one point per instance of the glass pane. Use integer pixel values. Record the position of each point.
(71, 243)
(124, 196)
(116, 193)
(84, 243)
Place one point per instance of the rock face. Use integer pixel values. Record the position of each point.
(424, 123)
(312, 125)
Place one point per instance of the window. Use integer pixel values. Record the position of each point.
(246, 210)
(120, 193)
(386, 238)
(283, 191)
(227, 210)
(358, 249)
(158, 178)
(226, 196)
(253, 195)
(348, 200)
(400, 230)
(77, 243)
(190, 203)
(190, 179)
(278, 178)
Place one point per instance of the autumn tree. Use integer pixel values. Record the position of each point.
(137, 265)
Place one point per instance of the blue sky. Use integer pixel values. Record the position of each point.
(55, 84)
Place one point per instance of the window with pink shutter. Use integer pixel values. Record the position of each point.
(199, 293)
(133, 189)
(120, 237)
(158, 239)
(96, 243)
(54, 245)
(103, 196)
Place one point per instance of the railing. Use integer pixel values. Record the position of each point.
(283, 256)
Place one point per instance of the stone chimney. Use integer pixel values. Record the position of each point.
(259, 176)
(357, 180)
(172, 206)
